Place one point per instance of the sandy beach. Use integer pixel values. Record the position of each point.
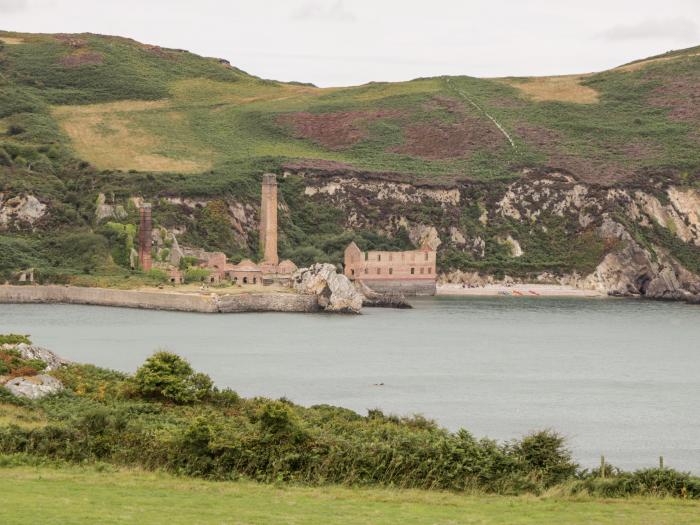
(517, 290)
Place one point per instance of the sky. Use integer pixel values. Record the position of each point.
(348, 42)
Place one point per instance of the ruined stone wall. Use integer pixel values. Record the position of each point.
(376, 265)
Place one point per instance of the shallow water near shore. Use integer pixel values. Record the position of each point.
(617, 377)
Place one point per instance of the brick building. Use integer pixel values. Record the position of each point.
(411, 272)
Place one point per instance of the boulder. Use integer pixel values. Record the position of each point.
(34, 387)
(335, 292)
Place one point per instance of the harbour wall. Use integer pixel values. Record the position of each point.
(407, 287)
(184, 302)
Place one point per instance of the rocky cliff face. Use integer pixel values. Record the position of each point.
(642, 239)
(637, 238)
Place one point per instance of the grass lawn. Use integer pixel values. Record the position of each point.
(85, 495)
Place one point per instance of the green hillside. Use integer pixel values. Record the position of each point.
(121, 105)
(86, 114)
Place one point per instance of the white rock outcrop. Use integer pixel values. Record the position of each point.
(34, 387)
(21, 208)
(53, 361)
(104, 211)
(335, 291)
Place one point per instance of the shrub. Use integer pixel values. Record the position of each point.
(121, 241)
(196, 275)
(544, 456)
(280, 425)
(187, 261)
(224, 398)
(158, 275)
(169, 377)
(646, 482)
(14, 339)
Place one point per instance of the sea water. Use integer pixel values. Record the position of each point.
(619, 378)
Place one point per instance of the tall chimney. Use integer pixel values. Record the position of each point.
(268, 219)
(145, 239)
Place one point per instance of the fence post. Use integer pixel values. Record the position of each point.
(661, 462)
(602, 466)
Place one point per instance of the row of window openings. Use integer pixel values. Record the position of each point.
(391, 271)
(391, 256)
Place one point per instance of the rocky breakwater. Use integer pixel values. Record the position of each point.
(334, 291)
(34, 382)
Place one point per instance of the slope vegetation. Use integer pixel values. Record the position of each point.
(92, 123)
(202, 113)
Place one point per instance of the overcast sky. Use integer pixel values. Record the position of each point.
(343, 42)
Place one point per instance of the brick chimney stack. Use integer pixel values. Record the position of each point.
(268, 219)
(145, 239)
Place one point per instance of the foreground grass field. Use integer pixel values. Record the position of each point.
(87, 495)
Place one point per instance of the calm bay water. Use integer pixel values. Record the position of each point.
(617, 377)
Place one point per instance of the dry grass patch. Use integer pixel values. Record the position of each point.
(11, 40)
(566, 88)
(109, 137)
(21, 416)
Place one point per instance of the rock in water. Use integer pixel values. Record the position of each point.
(335, 292)
(34, 387)
(380, 300)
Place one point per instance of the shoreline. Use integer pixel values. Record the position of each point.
(516, 290)
(200, 302)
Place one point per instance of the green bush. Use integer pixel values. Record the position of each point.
(14, 339)
(653, 482)
(169, 377)
(121, 241)
(187, 261)
(545, 457)
(158, 275)
(196, 275)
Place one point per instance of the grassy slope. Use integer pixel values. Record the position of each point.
(203, 115)
(85, 495)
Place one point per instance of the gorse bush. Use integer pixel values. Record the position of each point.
(546, 457)
(168, 377)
